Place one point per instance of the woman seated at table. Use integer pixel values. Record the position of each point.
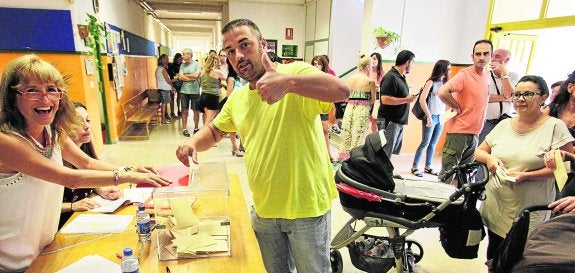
(35, 116)
(518, 144)
(75, 199)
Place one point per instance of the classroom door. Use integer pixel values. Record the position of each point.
(521, 47)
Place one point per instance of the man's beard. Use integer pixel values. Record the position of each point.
(257, 69)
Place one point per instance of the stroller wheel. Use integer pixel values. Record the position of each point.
(336, 261)
(416, 252)
(410, 262)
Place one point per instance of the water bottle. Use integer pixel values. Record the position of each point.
(129, 263)
(143, 221)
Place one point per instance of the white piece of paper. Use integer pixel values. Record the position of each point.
(98, 223)
(138, 195)
(503, 174)
(449, 114)
(109, 206)
(92, 264)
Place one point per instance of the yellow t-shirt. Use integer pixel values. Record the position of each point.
(287, 163)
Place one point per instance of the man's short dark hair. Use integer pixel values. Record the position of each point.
(484, 41)
(403, 57)
(242, 22)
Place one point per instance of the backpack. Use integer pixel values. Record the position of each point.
(417, 110)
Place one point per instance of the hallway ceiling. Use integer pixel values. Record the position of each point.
(195, 16)
(182, 17)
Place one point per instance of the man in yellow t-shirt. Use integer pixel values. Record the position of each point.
(288, 166)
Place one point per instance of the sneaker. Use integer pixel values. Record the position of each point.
(196, 130)
(186, 133)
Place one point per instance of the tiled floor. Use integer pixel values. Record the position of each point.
(160, 150)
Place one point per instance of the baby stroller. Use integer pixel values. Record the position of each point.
(369, 194)
(548, 249)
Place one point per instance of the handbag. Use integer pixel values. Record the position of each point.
(417, 110)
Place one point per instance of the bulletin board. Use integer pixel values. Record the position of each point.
(36, 30)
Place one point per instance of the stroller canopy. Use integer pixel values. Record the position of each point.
(369, 165)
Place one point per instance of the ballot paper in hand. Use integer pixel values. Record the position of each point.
(92, 264)
(449, 114)
(503, 174)
(560, 172)
(98, 223)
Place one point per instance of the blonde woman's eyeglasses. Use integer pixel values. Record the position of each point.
(52, 95)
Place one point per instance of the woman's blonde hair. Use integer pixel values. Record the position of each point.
(212, 61)
(363, 63)
(20, 71)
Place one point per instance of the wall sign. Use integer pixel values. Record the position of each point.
(289, 33)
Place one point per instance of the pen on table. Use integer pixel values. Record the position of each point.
(167, 270)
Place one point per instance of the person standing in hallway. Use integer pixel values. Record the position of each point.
(501, 86)
(395, 99)
(35, 118)
(355, 125)
(164, 85)
(211, 79)
(431, 126)
(555, 88)
(376, 74)
(288, 167)
(320, 62)
(189, 75)
(519, 145)
(466, 95)
(173, 71)
(233, 82)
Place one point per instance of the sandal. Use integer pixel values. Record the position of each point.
(416, 172)
(430, 171)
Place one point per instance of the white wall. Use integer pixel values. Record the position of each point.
(345, 34)
(432, 30)
(553, 60)
(273, 19)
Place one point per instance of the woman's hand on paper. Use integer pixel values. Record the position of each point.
(111, 193)
(84, 204)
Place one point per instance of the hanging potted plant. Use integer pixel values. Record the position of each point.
(384, 37)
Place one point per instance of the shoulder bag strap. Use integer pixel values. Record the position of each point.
(498, 93)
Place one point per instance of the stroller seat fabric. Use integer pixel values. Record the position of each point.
(549, 248)
(425, 190)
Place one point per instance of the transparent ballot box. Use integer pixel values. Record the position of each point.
(193, 221)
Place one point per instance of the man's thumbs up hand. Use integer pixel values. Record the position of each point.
(272, 86)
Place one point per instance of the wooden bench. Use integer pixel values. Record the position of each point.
(139, 114)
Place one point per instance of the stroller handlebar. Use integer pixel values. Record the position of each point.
(474, 176)
(469, 168)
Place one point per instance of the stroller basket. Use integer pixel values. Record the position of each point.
(364, 256)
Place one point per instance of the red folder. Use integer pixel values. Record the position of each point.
(178, 174)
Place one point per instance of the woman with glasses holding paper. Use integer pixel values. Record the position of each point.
(35, 118)
(513, 152)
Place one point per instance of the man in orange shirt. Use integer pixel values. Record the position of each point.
(466, 93)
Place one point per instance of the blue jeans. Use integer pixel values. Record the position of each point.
(287, 244)
(429, 138)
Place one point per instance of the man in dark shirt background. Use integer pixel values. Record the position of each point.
(395, 100)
